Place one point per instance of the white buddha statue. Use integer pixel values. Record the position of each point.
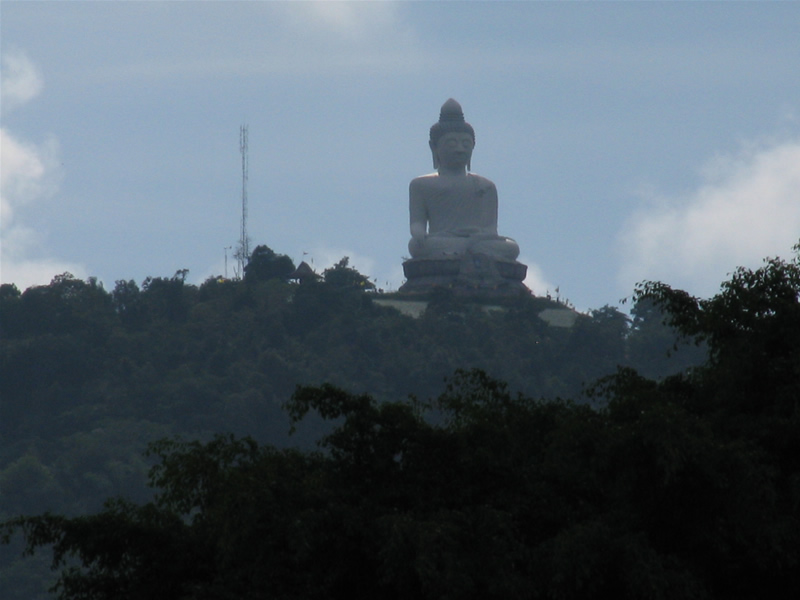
(454, 212)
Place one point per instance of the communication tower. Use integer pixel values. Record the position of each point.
(243, 252)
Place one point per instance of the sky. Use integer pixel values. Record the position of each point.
(628, 141)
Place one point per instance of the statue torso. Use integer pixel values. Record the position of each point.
(455, 205)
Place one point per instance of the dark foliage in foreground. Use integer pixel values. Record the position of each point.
(89, 377)
(686, 487)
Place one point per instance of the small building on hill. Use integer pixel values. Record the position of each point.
(304, 273)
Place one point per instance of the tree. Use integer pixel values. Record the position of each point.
(341, 275)
(168, 299)
(656, 349)
(264, 265)
(748, 392)
(66, 306)
(10, 305)
(127, 302)
(478, 494)
(752, 329)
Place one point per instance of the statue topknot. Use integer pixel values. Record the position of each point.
(451, 118)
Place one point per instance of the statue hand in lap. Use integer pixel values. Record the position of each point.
(453, 212)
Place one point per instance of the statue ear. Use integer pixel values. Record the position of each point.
(433, 152)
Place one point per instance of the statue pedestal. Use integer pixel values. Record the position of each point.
(470, 274)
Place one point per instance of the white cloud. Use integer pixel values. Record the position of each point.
(21, 81)
(348, 20)
(535, 280)
(748, 208)
(28, 173)
(292, 38)
(19, 268)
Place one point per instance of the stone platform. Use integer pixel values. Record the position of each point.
(471, 274)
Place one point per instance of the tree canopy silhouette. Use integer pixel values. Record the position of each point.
(682, 487)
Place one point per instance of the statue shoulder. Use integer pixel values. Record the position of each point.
(481, 180)
(423, 182)
(428, 179)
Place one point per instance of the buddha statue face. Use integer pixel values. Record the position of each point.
(453, 151)
(452, 140)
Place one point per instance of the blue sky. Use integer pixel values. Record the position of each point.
(628, 141)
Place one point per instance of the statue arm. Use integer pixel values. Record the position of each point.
(489, 219)
(418, 215)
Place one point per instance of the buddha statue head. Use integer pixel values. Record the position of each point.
(454, 129)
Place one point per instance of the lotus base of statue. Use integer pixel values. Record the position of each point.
(470, 274)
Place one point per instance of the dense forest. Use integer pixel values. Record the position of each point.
(644, 456)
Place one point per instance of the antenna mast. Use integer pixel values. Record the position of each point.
(244, 243)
